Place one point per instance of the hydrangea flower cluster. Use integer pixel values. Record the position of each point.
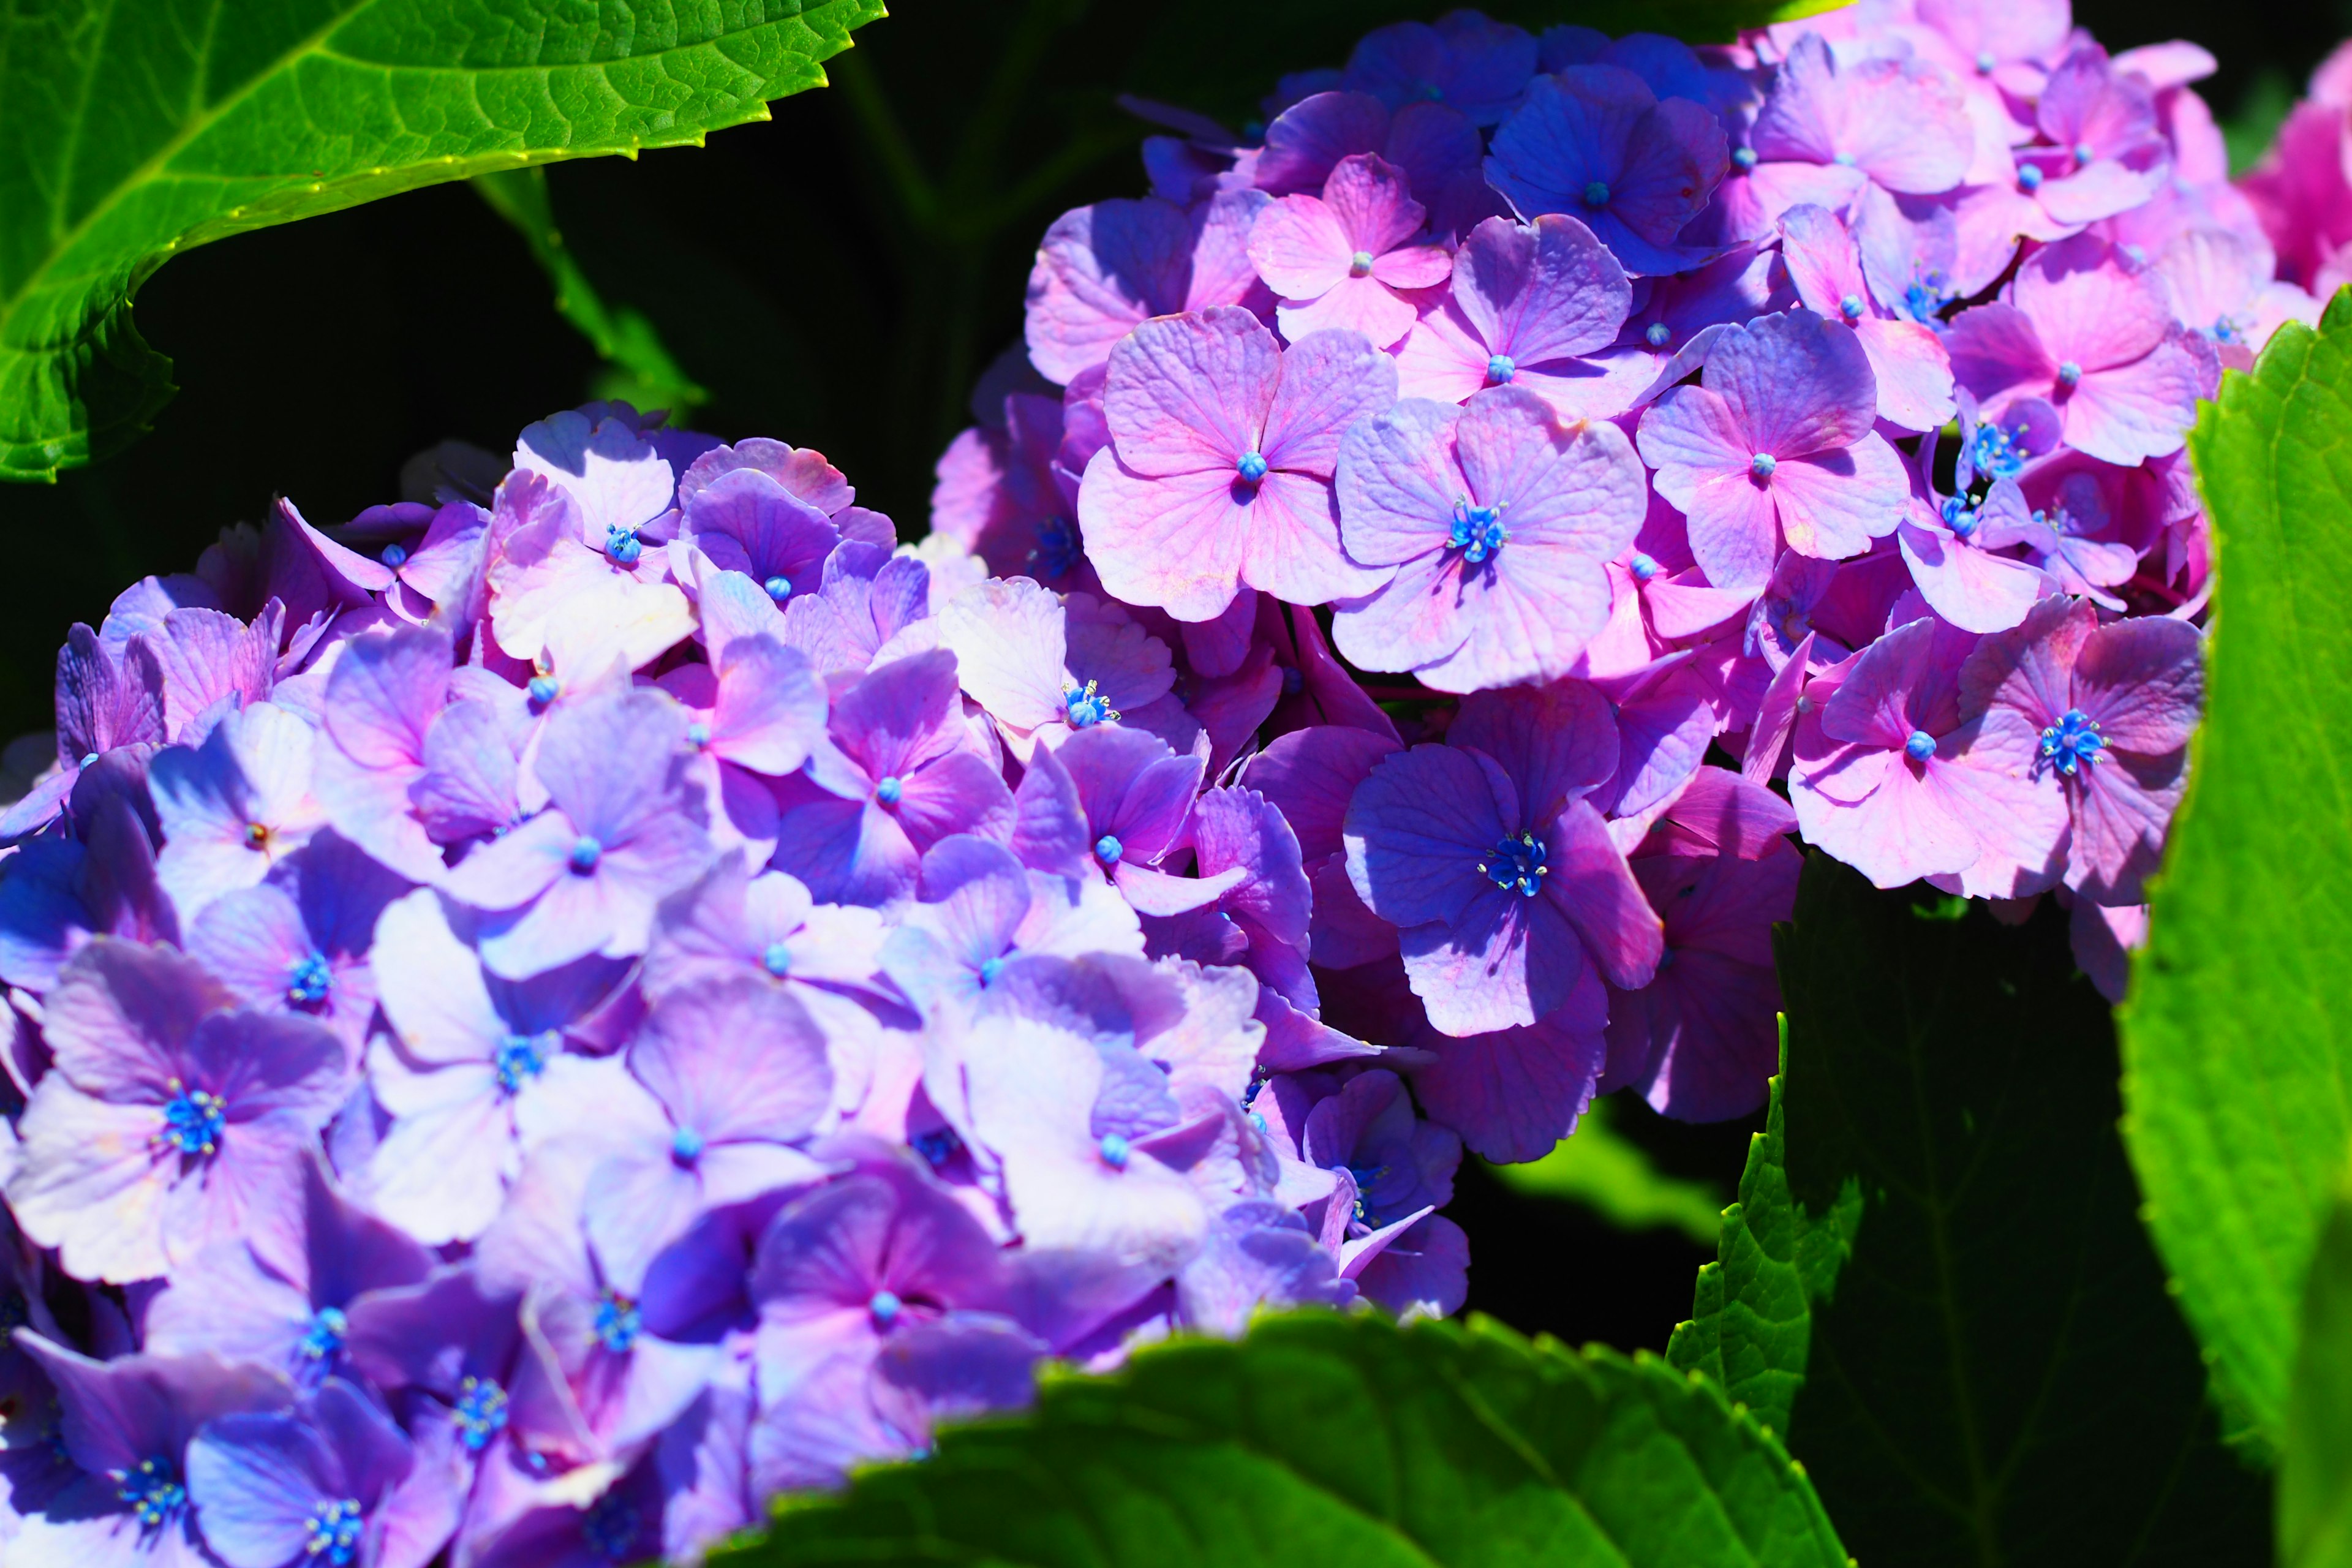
(548, 1014)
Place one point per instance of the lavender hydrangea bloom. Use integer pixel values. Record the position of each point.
(169, 1120)
(1219, 473)
(1531, 305)
(1596, 143)
(1497, 519)
(1135, 795)
(1906, 358)
(1776, 443)
(1046, 666)
(1341, 259)
(298, 942)
(235, 806)
(1104, 269)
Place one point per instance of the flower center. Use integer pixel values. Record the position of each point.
(1114, 1151)
(522, 1057)
(1059, 550)
(2085, 151)
(1500, 368)
(153, 1491)
(1360, 264)
(1642, 567)
(256, 836)
(335, 1530)
(324, 1341)
(1658, 334)
(1596, 195)
(543, 690)
(1958, 517)
(937, 1147)
(990, 968)
(480, 1413)
(309, 981)
(1087, 708)
(622, 545)
(1761, 465)
(2069, 372)
(779, 587)
(697, 734)
(883, 1306)
(1108, 849)
(1842, 159)
(1985, 62)
(1920, 745)
(1999, 452)
(1851, 307)
(1743, 158)
(778, 960)
(1365, 1177)
(586, 852)
(2071, 742)
(1251, 467)
(1478, 532)
(618, 1321)
(686, 1147)
(889, 788)
(1517, 865)
(194, 1120)
(2028, 177)
(393, 556)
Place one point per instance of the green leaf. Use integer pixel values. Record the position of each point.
(2238, 1034)
(1324, 1441)
(1603, 1170)
(1752, 1322)
(2314, 1498)
(638, 367)
(2002, 1378)
(2262, 108)
(131, 129)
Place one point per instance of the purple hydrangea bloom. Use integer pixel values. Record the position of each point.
(235, 806)
(1344, 259)
(102, 701)
(1219, 473)
(1465, 62)
(1776, 444)
(1906, 358)
(1595, 142)
(1531, 305)
(1046, 665)
(1103, 270)
(1495, 519)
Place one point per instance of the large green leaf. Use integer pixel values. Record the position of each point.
(2315, 1500)
(2239, 1031)
(2001, 1378)
(1600, 1168)
(1331, 1442)
(131, 129)
(1750, 1326)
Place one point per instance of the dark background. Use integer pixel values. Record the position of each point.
(835, 277)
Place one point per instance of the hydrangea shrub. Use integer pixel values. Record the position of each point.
(612, 989)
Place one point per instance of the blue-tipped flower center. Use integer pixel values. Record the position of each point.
(543, 689)
(480, 1413)
(1761, 465)
(1743, 158)
(778, 960)
(1925, 298)
(1251, 467)
(622, 545)
(335, 1531)
(522, 1057)
(2085, 151)
(1999, 452)
(1478, 531)
(193, 1120)
(889, 788)
(1985, 62)
(586, 852)
(1059, 549)
(1500, 368)
(89, 759)
(324, 1341)
(883, 1306)
(1596, 195)
(686, 1146)
(2069, 372)
(1360, 264)
(1366, 1177)
(779, 587)
(618, 1321)
(1108, 849)
(153, 1491)
(308, 981)
(1642, 567)
(1959, 517)
(1842, 159)
(612, 1527)
(990, 968)
(1114, 1151)
(1658, 334)
(697, 734)
(937, 1147)
(1851, 307)
(393, 556)
(1516, 864)
(1087, 708)
(2028, 177)
(2070, 743)
(1920, 745)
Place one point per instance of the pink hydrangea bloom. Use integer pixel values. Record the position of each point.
(1340, 259)
(1531, 305)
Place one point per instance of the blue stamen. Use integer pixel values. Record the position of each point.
(1059, 549)
(2085, 151)
(90, 759)
(543, 690)
(778, 960)
(522, 1057)
(887, 789)
(393, 556)
(1251, 467)
(1108, 849)
(1086, 709)
(618, 1321)
(324, 1341)
(335, 1531)
(586, 852)
(1642, 567)
(1958, 517)
(1762, 464)
(622, 545)
(1658, 334)
(1478, 531)
(882, 1307)
(2070, 743)
(153, 1491)
(480, 1413)
(1517, 866)
(1114, 1151)
(1919, 746)
(1365, 1179)
(1500, 368)
(697, 734)
(1999, 453)
(779, 588)
(308, 981)
(1743, 158)
(2069, 372)
(938, 1146)
(990, 968)
(194, 1120)
(686, 1146)
(1360, 264)
(1985, 62)
(1842, 159)
(1851, 307)
(2028, 177)
(1596, 195)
